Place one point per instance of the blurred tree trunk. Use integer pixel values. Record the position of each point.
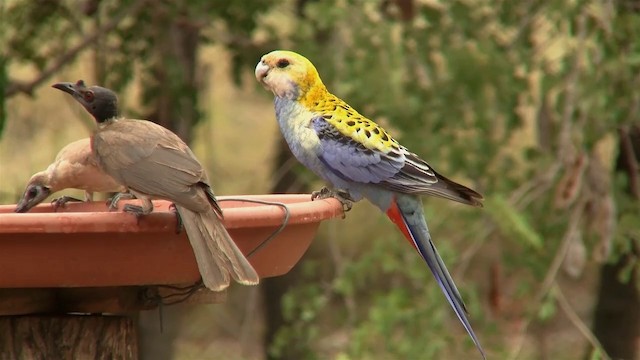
(170, 86)
(617, 314)
(170, 91)
(273, 289)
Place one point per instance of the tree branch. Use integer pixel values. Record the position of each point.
(630, 162)
(550, 277)
(15, 87)
(577, 322)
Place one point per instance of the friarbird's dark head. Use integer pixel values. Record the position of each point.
(100, 102)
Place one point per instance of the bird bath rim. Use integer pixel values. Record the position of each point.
(85, 245)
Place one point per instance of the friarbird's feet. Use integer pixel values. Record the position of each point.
(342, 195)
(179, 225)
(136, 210)
(113, 202)
(61, 201)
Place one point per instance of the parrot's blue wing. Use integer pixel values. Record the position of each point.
(351, 160)
(397, 170)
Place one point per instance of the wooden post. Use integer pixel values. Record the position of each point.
(68, 337)
(37, 324)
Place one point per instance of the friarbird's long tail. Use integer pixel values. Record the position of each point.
(217, 256)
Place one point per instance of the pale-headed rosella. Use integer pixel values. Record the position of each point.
(360, 159)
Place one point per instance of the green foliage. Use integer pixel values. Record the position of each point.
(627, 233)
(31, 24)
(596, 354)
(503, 93)
(513, 223)
(548, 308)
(304, 316)
(155, 45)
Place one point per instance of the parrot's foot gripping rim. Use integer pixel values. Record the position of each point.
(341, 195)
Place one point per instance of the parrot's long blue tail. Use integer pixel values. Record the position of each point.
(418, 235)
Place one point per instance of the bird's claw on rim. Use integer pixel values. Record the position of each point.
(113, 202)
(179, 225)
(341, 195)
(136, 210)
(61, 201)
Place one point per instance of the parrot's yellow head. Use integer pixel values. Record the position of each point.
(289, 75)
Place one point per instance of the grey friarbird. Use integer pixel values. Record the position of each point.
(153, 162)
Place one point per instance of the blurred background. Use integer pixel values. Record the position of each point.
(534, 103)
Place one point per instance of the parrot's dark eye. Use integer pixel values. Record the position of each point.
(282, 63)
(88, 96)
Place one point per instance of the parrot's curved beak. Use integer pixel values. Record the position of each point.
(262, 70)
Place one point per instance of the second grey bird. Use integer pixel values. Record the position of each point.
(74, 167)
(153, 162)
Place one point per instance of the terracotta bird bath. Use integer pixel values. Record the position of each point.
(83, 245)
(71, 280)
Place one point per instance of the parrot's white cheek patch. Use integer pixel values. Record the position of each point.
(284, 88)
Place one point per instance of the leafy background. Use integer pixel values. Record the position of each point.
(534, 103)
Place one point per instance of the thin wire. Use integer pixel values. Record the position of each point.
(269, 238)
(151, 295)
(183, 292)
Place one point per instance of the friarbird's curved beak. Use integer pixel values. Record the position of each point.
(70, 88)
